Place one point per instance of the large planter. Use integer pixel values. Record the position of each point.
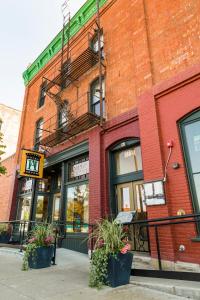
(5, 238)
(41, 258)
(119, 269)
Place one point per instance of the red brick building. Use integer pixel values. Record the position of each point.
(104, 138)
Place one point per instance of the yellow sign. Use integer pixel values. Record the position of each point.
(32, 164)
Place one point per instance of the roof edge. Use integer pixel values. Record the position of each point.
(83, 15)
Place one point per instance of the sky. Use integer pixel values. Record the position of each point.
(26, 28)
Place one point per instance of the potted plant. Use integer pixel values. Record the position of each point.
(5, 233)
(39, 249)
(111, 260)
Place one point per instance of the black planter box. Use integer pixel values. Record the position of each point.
(41, 258)
(5, 238)
(119, 269)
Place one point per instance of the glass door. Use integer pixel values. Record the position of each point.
(130, 197)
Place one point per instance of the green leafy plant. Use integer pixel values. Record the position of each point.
(40, 236)
(110, 239)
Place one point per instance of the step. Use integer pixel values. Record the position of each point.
(181, 288)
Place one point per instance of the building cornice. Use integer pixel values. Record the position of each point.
(84, 14)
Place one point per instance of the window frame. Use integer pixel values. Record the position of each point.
(189, 119)
(92, 87)
(63, 124)
(42, 95)
(37, 138)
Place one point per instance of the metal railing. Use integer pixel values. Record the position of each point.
(158, 223)
(138, 232)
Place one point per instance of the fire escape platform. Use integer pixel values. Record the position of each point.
(75, 69)
(78, 125)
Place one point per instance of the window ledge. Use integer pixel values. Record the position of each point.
(196, 239)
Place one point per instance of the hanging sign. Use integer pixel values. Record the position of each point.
(32, 164)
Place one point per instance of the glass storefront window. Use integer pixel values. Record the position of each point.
(192, 133)
(41, 209)
(24, 208)
(26, 185)
(44, 185)
(56, 207)
(79, 169)
(128, 160)
(77, 208)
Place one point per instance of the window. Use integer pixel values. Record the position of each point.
(190, 132)
(79, 169)
(128, 160)
(41, 208)
(95, 96)
(77, 208)
(63, 115)
(95, 44)
(42, 94)
(38, 132)
(66, 69)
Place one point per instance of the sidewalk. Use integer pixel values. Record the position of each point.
(68, 280)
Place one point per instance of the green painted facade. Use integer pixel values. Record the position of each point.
(85, 13)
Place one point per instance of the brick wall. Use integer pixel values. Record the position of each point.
(166, 105)
(6, 182)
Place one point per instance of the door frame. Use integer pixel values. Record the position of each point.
(118, 179)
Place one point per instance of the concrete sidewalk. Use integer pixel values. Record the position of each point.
(68, 280)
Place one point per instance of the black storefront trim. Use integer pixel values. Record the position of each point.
(67, 154)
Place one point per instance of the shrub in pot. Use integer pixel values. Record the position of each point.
(111, 260)
(39, 250)
(4, 233)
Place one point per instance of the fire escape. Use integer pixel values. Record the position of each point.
(76, 113)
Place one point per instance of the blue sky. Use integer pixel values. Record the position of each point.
(26, 28)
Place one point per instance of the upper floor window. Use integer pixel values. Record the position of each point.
(63, 115)
(95, 96)
(42, 95)
(38, 131)
(95, 43)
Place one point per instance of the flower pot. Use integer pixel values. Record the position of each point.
(4, 238)
(41, 258)
(119, 269)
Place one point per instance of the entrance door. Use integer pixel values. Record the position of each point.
(130, 197)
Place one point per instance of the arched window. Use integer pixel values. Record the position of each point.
(38, 132)
(95, 96)
(190, 134)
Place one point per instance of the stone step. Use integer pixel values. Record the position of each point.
(181, 288)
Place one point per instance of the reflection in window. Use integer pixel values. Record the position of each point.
(24, 208)
(95, 44)
(56, 207)
(95, 96)
(77, 208)
(41, 209)
(43, 185)
(38, 132)
(63, 115)
(42, 94)
(192, 133)
(128, 160)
